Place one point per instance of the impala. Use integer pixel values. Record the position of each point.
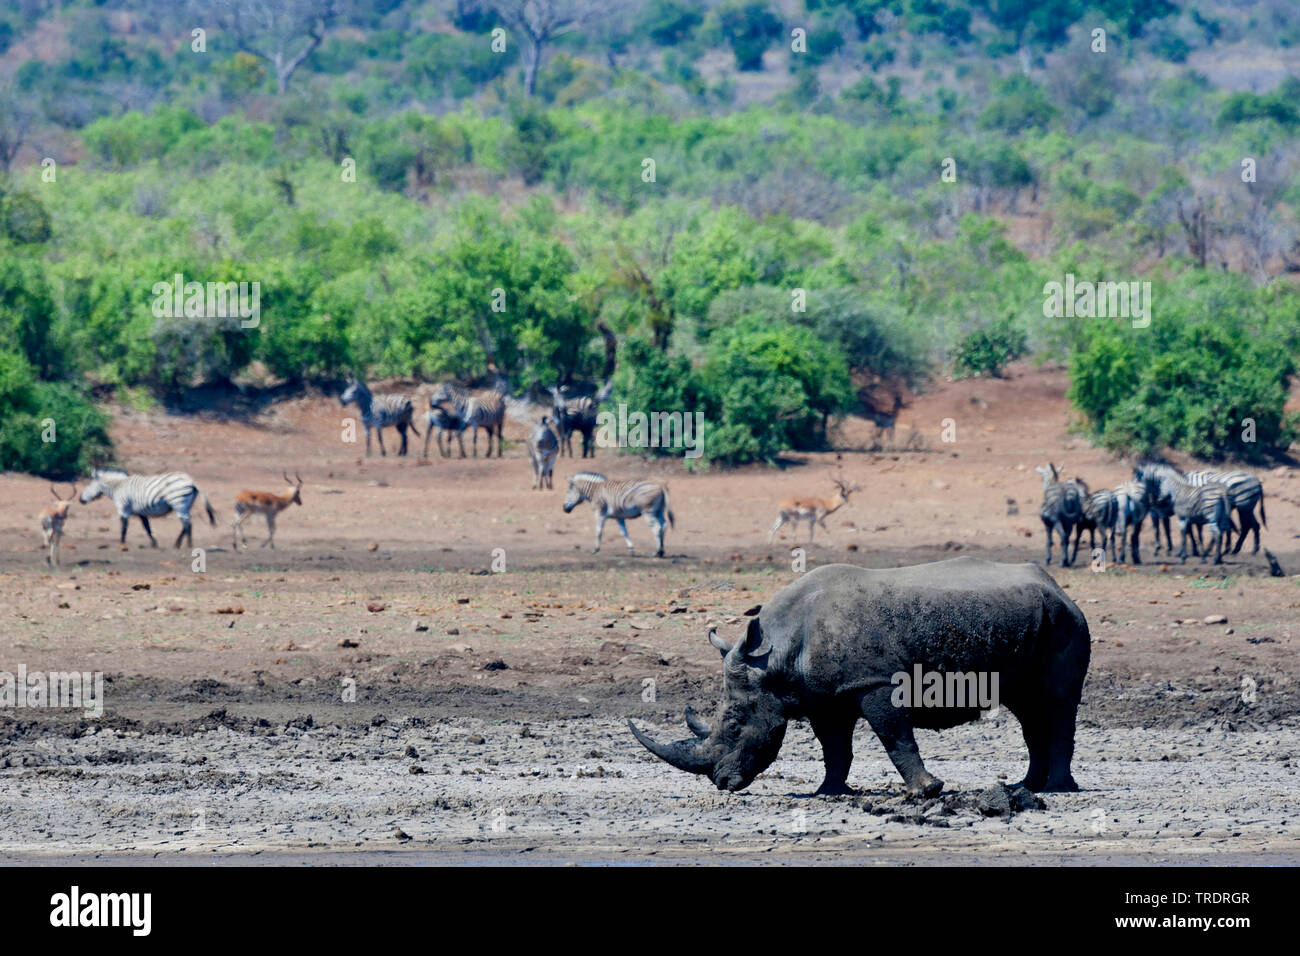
(265, 503)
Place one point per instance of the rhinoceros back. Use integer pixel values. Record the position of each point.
(842, 627)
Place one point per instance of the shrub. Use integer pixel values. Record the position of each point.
(1196, 384)
(33, 411)
(987, 351)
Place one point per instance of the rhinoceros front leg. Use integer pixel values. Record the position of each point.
(836, 736)
(894, 728)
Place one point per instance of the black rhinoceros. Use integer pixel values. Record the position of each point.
(831, 646)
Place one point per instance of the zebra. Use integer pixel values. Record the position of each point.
(543, 448)
(1099, 511)
(1130, 511)
(148, 496)
(1061, 510)
(620, 500)
(380, 412)
(485, 409)
(1244, 489)
(445, 420)
(1160, 507)
(578, 414)
(1194, 506)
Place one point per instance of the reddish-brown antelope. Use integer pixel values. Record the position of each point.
(812, 510)
(265, 503)
(52, 519)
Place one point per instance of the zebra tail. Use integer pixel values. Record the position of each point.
(1262, 517)
(417, 434)
(668, 507)
(212, 517)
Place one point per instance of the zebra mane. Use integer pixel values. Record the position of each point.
(108, 473)
(593, 476)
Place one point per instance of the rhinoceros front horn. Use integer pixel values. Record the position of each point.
(684, 754)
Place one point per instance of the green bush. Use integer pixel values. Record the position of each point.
(47, 428)
(987, 351)
(1193, 382)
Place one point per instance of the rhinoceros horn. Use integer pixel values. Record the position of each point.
(685, 755)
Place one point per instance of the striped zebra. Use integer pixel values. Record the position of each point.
(621, 500)
(148, 496)
(1061, 510)
(1130, 511)
(380, 412)
(1099, 511)
(1244, 489)
(543, 448)
(578, 415)
(1160, 508)
(445, 420)
(485, 409)
(1194, 506)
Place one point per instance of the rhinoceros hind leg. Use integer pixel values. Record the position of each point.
(1049, 735)
(894, 728)
(836, 736)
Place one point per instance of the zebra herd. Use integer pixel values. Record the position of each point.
(453, 409)
(1199, 500)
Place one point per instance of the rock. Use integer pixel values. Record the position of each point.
(374, 607)
(348, 642)
(476, 739)
(496, 665)
(412, 752)
(1215, 619)
(995, 801)
(415, 768)
(400, 834)
(453, 632)
(417, 626)
(373, 546)
(1022, 799)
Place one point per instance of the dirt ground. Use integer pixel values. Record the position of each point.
(488, 719)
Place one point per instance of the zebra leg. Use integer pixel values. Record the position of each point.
(657, 525)
(124, 519)
(379, 434)
(1137, 530)
(153, 543)
(622, 526)
(367, 441)
(1248, 523)
(401, 430)
(600, 531)
(186, 529)
(428, 433)
(460, 437)
(1047, 559)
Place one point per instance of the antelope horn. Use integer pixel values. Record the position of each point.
(684, 754)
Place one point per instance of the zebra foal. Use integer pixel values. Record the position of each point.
(378, 412)
(621, 500)
(148, 496)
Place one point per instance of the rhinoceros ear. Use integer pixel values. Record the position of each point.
(723, 647)
(755, 644)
